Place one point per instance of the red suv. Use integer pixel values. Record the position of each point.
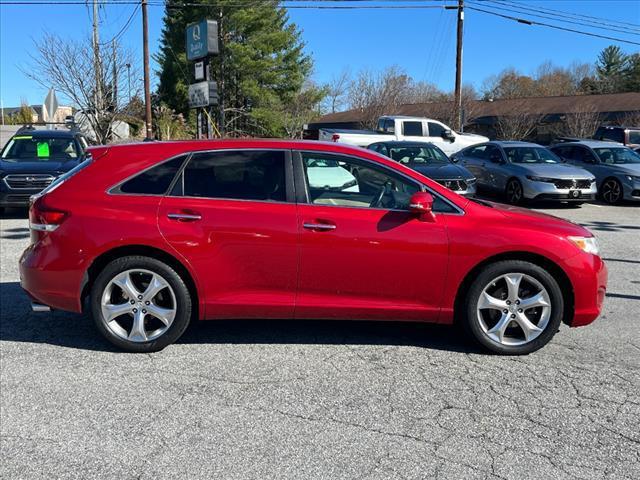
(150, 236)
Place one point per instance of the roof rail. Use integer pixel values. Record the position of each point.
(69, 122)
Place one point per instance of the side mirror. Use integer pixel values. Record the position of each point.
(421, 204)
(448, 135)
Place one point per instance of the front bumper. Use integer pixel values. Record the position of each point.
(588, 274)
(15, 198)
(631, 190)
(548, 191)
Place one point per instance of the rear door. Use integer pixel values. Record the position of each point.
(231, 215)
(363, 255)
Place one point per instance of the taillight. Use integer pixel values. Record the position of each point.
(335, 137)
(43, 218)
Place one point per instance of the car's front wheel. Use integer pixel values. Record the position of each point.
(514, 192)
(611, 191)
(514, 307)
(140, 304)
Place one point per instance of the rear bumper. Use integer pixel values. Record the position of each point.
(588, 275)
(47, 279)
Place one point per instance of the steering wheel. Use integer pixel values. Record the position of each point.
(379, 196)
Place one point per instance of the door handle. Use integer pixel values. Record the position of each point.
(319, 226)
(184, 217)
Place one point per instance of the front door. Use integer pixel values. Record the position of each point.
(363, 255)
(232, 217)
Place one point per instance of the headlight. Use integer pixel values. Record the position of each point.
(586, 244)
(541, 179)
(633, 178)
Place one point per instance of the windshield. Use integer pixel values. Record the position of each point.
(26, 148)
(634, 136)
(530, 155)
(423, 155)
(617, 155)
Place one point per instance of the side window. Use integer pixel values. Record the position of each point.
(562, 152)
(239, 175)
(389, 125)
(154, 181)
(613, 134)
(412, 129)
(436, 130)
(583, 154)
(492, 153)
(375, 147)
(347, 182)
(475, 152)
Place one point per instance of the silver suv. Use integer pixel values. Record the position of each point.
(526, 171)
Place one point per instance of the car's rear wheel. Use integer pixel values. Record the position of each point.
(514, 307)
(611, 191)
(514, 192)
(140, 304)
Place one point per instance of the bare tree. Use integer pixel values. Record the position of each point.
(519, 124)
(583, 122)
(337, 90)
(630, 119)
(68, 67)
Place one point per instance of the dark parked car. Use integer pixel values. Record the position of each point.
(616, 167)
(32, 159)
(526, 171)
(430, 161)
(629, 136)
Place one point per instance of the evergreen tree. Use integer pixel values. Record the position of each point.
(610, 67)
(262, 67)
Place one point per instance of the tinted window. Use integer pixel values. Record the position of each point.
(492, 153)
(154, 181)
(583, 154)
(249, 175)
(389, 125)
(412, 129)
(564, 152)
(612, 134)
(436, 130)
(476, 152)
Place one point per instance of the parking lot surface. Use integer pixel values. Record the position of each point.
(323, 400)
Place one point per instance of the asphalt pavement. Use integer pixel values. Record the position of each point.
(323, 400)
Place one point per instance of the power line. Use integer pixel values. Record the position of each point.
(125, 26)
(557, 18)
(534, 22)
(604, 21)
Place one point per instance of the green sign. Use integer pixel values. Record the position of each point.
(43, 149)
(202, 39)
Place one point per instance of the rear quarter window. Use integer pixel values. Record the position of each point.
(155, 180)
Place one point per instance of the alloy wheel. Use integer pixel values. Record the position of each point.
(514, 309)
(514, 192)
(138, 305)
(611, 191)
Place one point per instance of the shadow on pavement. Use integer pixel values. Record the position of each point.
(19, 324)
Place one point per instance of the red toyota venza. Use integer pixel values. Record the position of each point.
(148, 237)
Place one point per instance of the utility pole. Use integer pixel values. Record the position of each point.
(145, 53)
(96, 63)
(114, 89)
(221, 128)
(458, 90)
(128, 65)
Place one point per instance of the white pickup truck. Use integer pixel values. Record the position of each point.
(410, 129)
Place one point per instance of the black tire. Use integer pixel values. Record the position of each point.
(484, 278)
(611, 191)
(514, 192)
(183, 302)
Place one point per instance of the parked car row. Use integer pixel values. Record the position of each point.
(568, 172)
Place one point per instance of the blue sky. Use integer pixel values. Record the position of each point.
(421, 41)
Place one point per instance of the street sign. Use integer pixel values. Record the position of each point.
(199, 70)
(203, 94)
(202, 39)
(50, 106)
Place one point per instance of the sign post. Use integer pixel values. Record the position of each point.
(201, 45)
